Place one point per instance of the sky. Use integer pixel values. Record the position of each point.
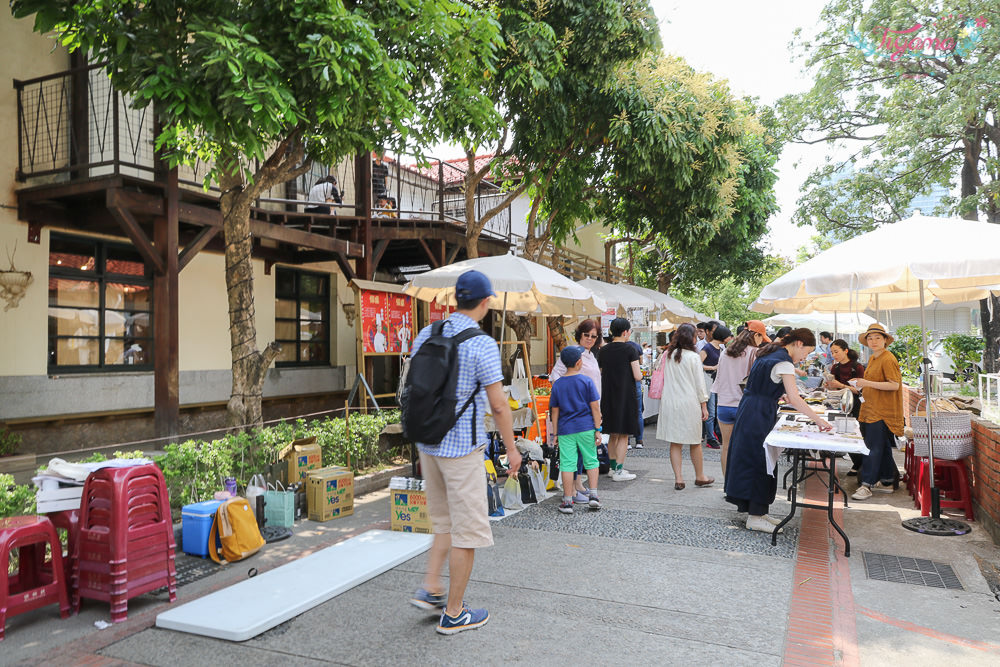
(746, 42)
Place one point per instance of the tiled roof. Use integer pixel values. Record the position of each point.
(454, 169)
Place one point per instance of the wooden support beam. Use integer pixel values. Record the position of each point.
(196, 245)
(432, 260)
(378, 251)
(345, 267)
(166, 373)
(132, 229)
(453, 253)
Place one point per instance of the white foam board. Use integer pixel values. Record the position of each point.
(248, 608)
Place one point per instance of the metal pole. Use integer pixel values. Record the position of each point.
(935, 492)
(503, 320)
(835, 331)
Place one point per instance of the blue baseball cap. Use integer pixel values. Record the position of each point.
(570, 355)
(473, 285)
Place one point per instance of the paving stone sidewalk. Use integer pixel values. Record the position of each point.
(657, 577)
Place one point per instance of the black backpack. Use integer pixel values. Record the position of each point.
(430, 384)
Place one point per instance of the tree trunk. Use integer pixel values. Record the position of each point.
(249, 364)
(521, 326)
(533, 247)
(991, 333)
(663, 281)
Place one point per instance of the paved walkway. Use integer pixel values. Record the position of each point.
(657, 577)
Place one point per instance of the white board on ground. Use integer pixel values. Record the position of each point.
(250, 607)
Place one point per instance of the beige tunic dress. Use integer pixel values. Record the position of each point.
(680, 406)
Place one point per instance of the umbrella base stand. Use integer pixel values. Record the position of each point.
(937, 526)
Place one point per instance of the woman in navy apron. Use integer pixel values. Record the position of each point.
(749, 484)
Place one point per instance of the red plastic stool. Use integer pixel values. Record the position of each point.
(954, 485)
(68, 520)
(30, 588)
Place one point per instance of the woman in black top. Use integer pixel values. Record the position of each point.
(847, 367)
(619, 363)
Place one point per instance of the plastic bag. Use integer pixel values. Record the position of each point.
(527, 488)
(255, 487)
(510, 494)
(656, 379)
(537, 481)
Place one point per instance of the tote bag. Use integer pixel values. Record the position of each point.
(656, 379)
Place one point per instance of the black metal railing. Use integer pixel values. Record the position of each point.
(74, 125)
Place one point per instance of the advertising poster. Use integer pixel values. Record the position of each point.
(387, 324)
(606, 318)
(439, 312)
(637, 316)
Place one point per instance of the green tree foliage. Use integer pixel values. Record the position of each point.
(259, 89)
(908, 114)
(965, 352)
(729, 295)
(908, 350)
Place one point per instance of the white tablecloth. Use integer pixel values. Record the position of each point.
(777, 441)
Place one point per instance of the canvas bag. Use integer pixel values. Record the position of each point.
(656, 379)
(236, 528)
(279, 507)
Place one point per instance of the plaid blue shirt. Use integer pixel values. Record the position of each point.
(478, 361)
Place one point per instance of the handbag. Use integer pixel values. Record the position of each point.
(527, 489)
(279, 507)
(255, 487)
(656, 379)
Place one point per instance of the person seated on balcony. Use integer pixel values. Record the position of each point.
(325, 190)
(385, 207)
(380, 176)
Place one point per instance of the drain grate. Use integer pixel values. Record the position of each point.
(906, 570)
(190, 569)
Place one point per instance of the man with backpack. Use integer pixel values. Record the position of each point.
(450, 379)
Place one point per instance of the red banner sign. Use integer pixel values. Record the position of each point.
(439, 312)
(386, 321)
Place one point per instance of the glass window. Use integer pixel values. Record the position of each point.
(100, 306)
(302, 317)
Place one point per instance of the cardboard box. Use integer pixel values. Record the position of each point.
(329, 493)
(57, 500)
(301, 455)
(409, 511)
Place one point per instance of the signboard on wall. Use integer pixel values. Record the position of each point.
(606, 318)
(439, 312)
(386, 322)
(637, 317)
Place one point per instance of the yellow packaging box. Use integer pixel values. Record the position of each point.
(409, 511)
(329, 493)
(302, 456)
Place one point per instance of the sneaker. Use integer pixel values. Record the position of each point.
(771, 520)
(853, 472)
(566, 506)
(761, 524)
(638, 445)
(713, 444)
(422, 599)
(593, 502)
(863, 493)
(882, 487)
(622, 475)
(467, 619)
(581, 498)
(630, 446)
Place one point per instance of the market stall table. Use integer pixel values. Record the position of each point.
(824, 447)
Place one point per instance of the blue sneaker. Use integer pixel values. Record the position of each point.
(428, 601)
(581, 498)
(467, 619)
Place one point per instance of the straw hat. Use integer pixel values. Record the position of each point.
(875, 328)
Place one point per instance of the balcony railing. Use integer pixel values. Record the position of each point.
(74, 125)
(572, 264)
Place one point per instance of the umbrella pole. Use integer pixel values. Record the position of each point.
(836, 332)
(503, 318)
(933, 524)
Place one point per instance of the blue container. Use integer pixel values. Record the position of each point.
(196, 525)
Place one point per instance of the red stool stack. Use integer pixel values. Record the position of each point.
(68, 520)
(32, 587)
(126, 540)
(951, 477)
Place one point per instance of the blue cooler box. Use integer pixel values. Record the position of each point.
(196, 524)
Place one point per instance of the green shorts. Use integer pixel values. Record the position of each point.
(582, 442)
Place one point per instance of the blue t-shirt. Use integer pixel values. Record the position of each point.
(573, 394)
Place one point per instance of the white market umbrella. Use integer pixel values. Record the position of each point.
(665, 303)
(617, 296)
(851, 323)
(520, 284)
(905, 262)
(662, 325)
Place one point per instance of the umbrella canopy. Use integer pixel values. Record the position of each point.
(527, 286)
(846, 324)
(665, 303)
(662, 325)
(616, 296)
(957, 260)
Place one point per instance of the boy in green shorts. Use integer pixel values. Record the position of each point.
(576, 417)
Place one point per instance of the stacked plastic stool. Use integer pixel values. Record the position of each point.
(32, 587)
(125, 545)
(951, 477)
